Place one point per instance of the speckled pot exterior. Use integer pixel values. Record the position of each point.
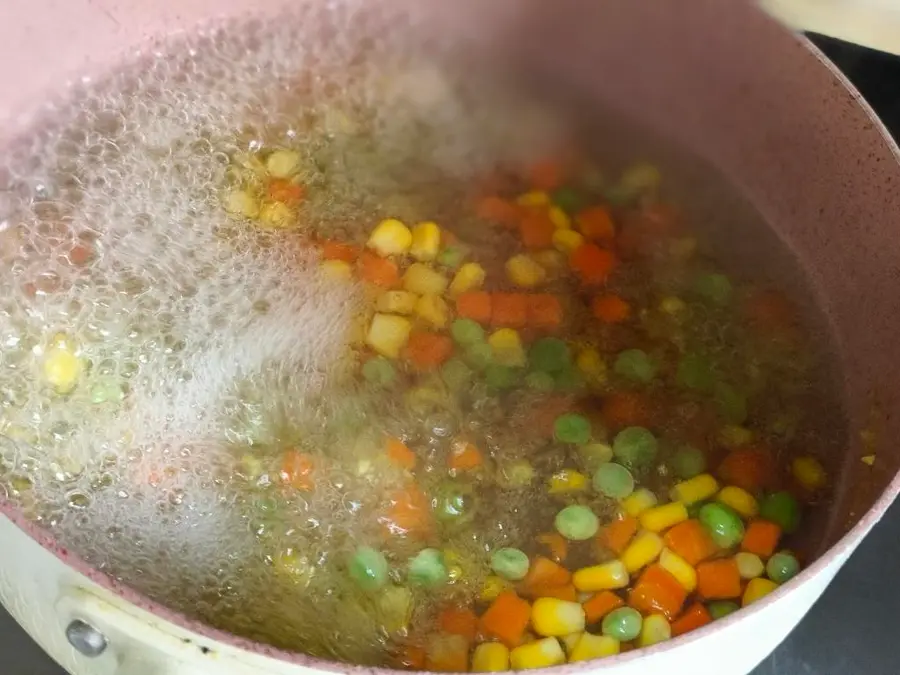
(761, 106)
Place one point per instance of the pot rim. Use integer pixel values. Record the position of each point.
(844, 546)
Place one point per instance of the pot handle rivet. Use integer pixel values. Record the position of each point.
(86, 639)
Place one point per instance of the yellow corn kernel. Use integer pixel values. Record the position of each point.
(523, 271)
(756, 589)
(507, 347)
(493, 586)
(569, 641)
(390, 237)
(294, 566)
(62, 368)
(591, 364)
(434, 310)
(552, 617)
(388, 334)
(469, 277)
(490, 657)
(608, 576)
(538, 654)
(420, 279)
(749, 565)
(672, 305)
(559, 218)
(639, 177)
(276, 215)
(654, 630)
(695, 489)
(643, 550)
(567, 240)
(638, 502)
(679, 568)
(396, 302)
(551, 260)
(395, 607)
(732, 436)
(738, 499)
(283, 163)
(426, 241)
(567, 481)
(455, 573)
(591, 646)
(809, 472)
(535, 198)
(337, 270)
(242, 203)
(661, 518)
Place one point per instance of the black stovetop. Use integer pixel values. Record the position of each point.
(851, 630)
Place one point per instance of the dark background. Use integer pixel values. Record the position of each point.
(853, 628)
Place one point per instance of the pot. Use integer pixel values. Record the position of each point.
(761, 106)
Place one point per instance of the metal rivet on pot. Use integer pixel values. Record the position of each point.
(85, 638)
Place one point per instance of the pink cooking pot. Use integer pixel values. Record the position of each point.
(715, 76)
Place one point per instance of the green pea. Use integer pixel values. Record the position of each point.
(456, 374)
(613, 480)
(368, 568)
(427, 569)
(452, 256)
(688, 462)
(782, 509)
(623, 624)
(635, 365)
(782, 567)
(479, 355)
(723, 524)
(635, 447)
(576, 523)
(509, 563)
(695, 371)
(550, 355)
(379, 372)
(594, 455)
(569, 380)
(501, 377)
(721, 608)
(454, 503)
(572, 428)
(466, 332)
(731, 404)
(107, 390)
(715, 288)
(569, 199)
(540, 381)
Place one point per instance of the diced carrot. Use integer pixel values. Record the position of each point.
(691, 541)
(658, 591)
(592, 264)
(694, 617)
(411, 657)
(566, 592)
(297, 470)
(596, 223)
(338, 250)
(547, 174)
(427, 350)
(285, 191)
(536, 230)
(610, 309)
(80, 254)
(447, 654)
(499, 211)
(544, 573)
(400, 454)
(626, 409)
(379, 271)
(506, 619)
(769, 310)
(750, 467)
(544, 311)
(761, 538)
(618, 534)
(600, 604)
(408, 514)
(509, 310)
(719, 579)
(558, 545)
(475, 305)
(459, 621)
(465, 456)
